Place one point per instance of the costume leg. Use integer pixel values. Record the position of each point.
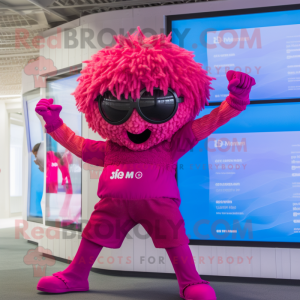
(191, 285)
(102, 229)
(163, 216)
(75, 277)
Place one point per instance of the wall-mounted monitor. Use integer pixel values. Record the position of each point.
(263, 42)
(64, 172)
(241, 185)
(35, 142)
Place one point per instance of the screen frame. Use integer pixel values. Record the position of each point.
(233, 12)
(73, 227)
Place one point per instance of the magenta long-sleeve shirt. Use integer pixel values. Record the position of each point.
(144, 174)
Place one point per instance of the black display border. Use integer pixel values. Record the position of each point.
(233, 12)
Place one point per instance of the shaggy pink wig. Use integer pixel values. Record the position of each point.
(135, 63)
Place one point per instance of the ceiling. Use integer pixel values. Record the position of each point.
(30, 17)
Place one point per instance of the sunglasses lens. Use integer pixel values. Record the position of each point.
(113, 109)
(158, 107)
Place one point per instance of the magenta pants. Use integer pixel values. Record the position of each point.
(113, 218)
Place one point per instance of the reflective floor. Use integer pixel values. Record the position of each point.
(17, 281)
(8, 223)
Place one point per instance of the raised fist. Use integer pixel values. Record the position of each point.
(239, 89)
(50, 113)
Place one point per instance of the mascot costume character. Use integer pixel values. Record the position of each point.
(142, 95)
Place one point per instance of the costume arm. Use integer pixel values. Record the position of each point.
(206, 125)
(68, 139)
(239, 87)
(190, 134)
(92, 152)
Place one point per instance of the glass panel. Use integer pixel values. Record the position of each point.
(35, 140)
(63, 181)
(16, 142)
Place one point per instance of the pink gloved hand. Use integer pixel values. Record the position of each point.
(50, 114)
(239, 89)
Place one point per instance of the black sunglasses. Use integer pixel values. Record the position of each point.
(155, 109)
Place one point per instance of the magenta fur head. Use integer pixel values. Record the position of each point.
(135, 63)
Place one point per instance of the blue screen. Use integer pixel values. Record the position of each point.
(36, 189)
(264, 45)
(242, 183)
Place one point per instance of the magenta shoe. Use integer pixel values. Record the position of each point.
(58, 283)
(199, 292)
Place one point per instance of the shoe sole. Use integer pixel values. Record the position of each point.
(203, 298)
(59, 291)
(192, 299)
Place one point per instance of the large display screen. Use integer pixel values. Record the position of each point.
(35, 142)
(264, 45)
(241, 185)
(63, 180)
